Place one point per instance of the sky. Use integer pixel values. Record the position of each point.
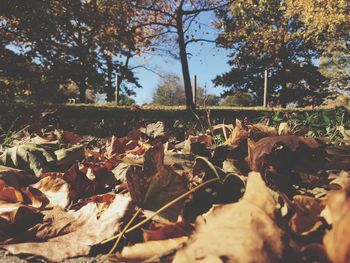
(206, 65)
(207, 61)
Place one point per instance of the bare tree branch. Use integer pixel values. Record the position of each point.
(199, 40)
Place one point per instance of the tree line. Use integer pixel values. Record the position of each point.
(304, 45)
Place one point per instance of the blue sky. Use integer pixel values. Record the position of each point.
(206, 65)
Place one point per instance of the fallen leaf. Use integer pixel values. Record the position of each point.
(156, 184)
(153, 130)
(240, 232)
(259, 131)
(284, 129)
(81, 230)
(151, 248)
(260, 151)
(56, 190)
(79, 184)
(34, 197)
(16, 218)
(314, 253)
(30, 157)
(10, 194)
(307, 214)
(197, 145)
(68, 137)
(157, 231)
(345, 134)
(238, 135)
(342, 179)
(66, 157)
(16, 178)
(338, 157)
(336, 240)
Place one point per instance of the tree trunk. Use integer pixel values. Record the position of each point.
(117, 88)
(283, 95)
(82, 90)
(184, 61)
(110, 90)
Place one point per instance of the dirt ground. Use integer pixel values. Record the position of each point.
(5, 258)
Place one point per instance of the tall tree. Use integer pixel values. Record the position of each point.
(261, 38)
(72, 39)
(177, 18)
(327, 22)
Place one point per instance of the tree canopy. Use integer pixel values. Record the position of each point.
(84, 41)
(261, 38)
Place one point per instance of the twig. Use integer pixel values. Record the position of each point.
(121, 234)
(177, 199)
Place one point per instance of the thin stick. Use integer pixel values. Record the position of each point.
(121, 234)
(177, 199)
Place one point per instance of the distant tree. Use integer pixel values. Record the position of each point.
(262, 37)
(180, 19)
(170, 92)
(238, 99)
(126, 100)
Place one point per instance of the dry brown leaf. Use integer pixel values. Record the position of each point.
(56, 190)
(197, 145)
(82, 229)
(154, 130)
(342, 179)
(68, 137)
(284, 129)
(162, 231)
(307, 214)
(259, 131)
(336, 240)
(240, 232)
(260, 151)
(149, 249)
(34, 197)
(156, 184)
(314, 252)
(338, 157)
(26, 195)
(16, 178)
(16, 217)
(345, 134)
(10, 194)
(238, 135)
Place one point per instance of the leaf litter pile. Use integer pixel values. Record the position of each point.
(264, 195)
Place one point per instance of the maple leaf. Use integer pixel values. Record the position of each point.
(156, 184)
(247, 227)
